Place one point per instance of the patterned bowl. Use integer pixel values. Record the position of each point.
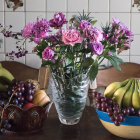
(129, 129)
(26, 120)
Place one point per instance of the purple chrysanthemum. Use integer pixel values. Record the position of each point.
(28, 30)
(58, 20)
(41, 28)
(93, 34)
(83, 24)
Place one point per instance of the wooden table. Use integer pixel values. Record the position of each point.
(89, 128)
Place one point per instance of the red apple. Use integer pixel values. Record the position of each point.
(28, 105)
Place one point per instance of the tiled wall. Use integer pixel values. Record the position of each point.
(102, 10)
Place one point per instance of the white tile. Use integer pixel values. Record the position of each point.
(124, 17)
(2, 57)
(135, 59)
(2, 18)
(57, 5)
(1, 43)
(120, 5)
(124, 58)
(18, 9)
(135, 46)
(1, 5)
(102, 19)
(20, 60)
(35, 5)
(32, 16)
(77, 5)
(135, 26)
(30, 46)
(50, 15)
(16, 19)
(99, 5)
(10, 44)
(33, 60)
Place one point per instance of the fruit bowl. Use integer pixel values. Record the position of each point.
(129, 129)
(26, 120)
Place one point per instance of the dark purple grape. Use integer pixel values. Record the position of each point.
(117, 123)
(15, 101)
(132, 111)
(29, 98)
(109, 109)
(29, 91)
(112, 118)
(126, 111)
(33, 92)
(103, 109)
(116, 111)
(94, 94)
(27, 85)
(21, 99)
(103, 104)
(2, 103)
(110, 102)
(33, 86)
(123, 119)
(110, 114)
(118, 118)
(103, 99)
(138, 112)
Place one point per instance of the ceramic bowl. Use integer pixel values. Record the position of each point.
(129, 129)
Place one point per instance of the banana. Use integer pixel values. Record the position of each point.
(109, 91)
(3, 87)
(127, 99)
(135, 97)
(5, 75)
(119, 93)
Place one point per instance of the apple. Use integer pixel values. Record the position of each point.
(28, 105)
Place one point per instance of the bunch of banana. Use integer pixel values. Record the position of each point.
(125, 94)
(5, 78)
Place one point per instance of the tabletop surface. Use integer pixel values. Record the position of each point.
(89, 128)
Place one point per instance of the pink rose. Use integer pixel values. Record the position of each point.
(47, 54)
(71, 37)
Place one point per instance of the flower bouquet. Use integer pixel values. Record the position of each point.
(73, 53)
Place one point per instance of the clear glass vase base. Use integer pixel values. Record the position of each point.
(69, 122)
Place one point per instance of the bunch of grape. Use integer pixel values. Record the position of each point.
(23, 93)
(116, 114)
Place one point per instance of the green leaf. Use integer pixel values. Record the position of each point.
(68, 61)
(115, 61)
(93, 22)
(93, 71)
(88, 62)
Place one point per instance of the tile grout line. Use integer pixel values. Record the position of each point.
(25, 24)
(109, 22)
(130, 29)
(4, 37)
(46, 2)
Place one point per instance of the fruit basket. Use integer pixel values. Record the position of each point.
(28, 120)
(129, 129)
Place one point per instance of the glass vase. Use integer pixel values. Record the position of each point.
(69, 97)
